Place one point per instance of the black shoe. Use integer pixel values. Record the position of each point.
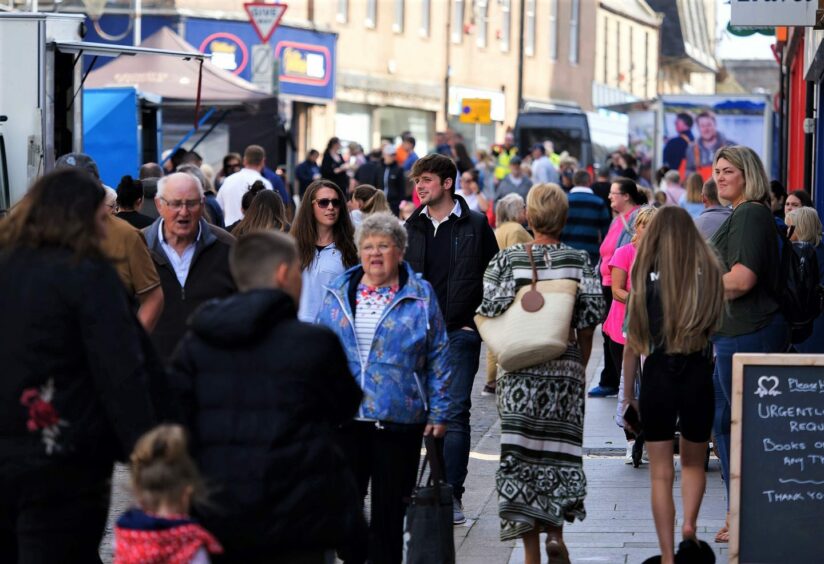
(653, 560)
(694, 551)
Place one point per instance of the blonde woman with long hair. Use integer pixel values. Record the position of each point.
(675, 305)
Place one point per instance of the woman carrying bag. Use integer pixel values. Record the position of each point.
(543, 403)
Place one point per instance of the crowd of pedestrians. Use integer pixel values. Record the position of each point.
(297, 350)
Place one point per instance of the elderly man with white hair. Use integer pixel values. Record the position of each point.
(191, 256)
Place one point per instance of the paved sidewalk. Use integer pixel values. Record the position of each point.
(619, 526)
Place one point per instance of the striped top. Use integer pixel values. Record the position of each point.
(510, 269)
(587, 222)
(370, 303)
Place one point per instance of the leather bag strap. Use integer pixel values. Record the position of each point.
(528, 248)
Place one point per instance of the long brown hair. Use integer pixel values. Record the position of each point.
(58, 211)
(371, 199)
(305, 229)
(689, 278)
(265, 212)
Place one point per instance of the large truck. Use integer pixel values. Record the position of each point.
(41, 93)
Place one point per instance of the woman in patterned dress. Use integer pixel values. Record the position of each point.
(541, 480)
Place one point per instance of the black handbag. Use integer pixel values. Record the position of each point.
(428, 534)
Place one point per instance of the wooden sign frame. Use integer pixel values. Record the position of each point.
(739, 361)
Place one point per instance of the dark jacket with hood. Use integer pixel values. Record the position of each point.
(74, 393)
(262, 394)
(209, 277)
(472, 247)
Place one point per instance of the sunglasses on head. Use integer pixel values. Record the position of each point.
(323, 203)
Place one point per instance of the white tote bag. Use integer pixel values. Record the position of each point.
(535, 328)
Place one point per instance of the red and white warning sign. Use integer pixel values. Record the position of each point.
(264, 17)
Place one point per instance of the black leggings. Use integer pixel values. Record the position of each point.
(610, 377)
(389, 455)
(677, 387)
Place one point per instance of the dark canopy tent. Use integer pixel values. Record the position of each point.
(250, 113)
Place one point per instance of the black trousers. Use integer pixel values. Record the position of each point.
(388, 454)
(610, 377)
(53, 516)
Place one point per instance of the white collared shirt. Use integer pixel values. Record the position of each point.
(180, 262)
(582, 189)
(456, 211)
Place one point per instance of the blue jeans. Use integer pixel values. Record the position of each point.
(464, 356)
(774, 338)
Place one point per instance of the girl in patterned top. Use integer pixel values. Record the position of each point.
(164, 479)
(541, 480)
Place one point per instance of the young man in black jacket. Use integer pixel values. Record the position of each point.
(262, 394)
(452, 246)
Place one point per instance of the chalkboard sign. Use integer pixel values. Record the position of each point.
(777, 459)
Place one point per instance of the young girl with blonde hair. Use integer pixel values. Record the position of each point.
(620, 266)
(164, 481)
(675, 305)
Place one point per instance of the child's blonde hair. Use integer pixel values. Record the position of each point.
(642, 219)
(162, 470)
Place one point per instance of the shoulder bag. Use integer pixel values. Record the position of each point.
(535, 328)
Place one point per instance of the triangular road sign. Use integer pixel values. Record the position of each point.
(264, 17)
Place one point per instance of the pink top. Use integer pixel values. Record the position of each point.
(614, 324)
(609, 244)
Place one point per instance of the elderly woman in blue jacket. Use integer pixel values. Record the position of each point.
(391, 327)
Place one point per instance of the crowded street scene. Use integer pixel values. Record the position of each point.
(411, 281)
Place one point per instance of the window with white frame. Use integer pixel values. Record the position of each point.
(425, 11)
(371, 20)
(397, 25)
(506, 24)
(457, 21)
(553, 30)
(574, 23)
(529, 32)
(481, 22)
(343, 11)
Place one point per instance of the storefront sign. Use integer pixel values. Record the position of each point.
(761, 13)
(305, 58)
(301, 63)
(228, 51)
(476, 110)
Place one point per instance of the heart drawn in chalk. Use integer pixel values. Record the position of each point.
(767, 386)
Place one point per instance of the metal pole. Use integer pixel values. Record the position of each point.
(138, 22)
(521, 56)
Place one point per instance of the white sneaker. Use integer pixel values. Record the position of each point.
(628, 457)
(644, 455)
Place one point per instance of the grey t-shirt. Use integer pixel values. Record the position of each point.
(710, 220)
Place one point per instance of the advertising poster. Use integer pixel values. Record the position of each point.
(642, 135)
(695, 127)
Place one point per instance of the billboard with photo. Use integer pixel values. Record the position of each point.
(694, 127)
(642, 135)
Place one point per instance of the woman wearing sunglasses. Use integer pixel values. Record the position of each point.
(326, 243)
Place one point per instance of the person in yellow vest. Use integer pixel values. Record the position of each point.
(503, 154)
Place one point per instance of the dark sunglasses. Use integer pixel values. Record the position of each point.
(323, 203)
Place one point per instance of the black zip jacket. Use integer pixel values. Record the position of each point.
(473, 246)
(208, 278)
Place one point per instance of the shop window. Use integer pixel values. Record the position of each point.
(574, 20)
(481, 22)
(457, 21)
(425, 9)
(506, 24)
(371, 20)
(343, 11)
(397, 25)
(553, 30)
(529, 32)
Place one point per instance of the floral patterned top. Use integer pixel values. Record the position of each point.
(510, 269)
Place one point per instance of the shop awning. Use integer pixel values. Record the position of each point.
(175, 79)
